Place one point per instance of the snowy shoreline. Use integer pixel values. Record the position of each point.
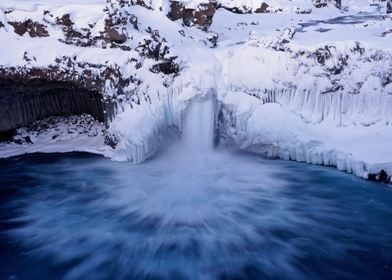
(297, 82)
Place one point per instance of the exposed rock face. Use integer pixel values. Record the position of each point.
(34, 29)
(389, 6)
(73, 36)
(97, 87)
(320, 3)
(263, 8)
(176, 11)
(201, 16)
(382, 177)
(26, 101)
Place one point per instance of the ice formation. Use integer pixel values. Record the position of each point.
(306, 81)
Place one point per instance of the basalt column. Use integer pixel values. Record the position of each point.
(25, 101)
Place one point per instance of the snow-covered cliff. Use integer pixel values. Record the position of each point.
(300, 80)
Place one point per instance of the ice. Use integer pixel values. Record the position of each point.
(313, 87)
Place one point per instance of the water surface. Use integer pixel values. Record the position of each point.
(218, 216)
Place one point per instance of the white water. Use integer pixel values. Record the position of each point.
(198, 129)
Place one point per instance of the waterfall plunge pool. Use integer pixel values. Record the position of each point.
(220, 215)
(190, 213)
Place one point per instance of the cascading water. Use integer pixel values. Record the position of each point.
(198, 128)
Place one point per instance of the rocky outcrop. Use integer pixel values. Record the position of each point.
(320, 3)
(200, 17)
(389, 6)
(63, 85)
(26, 101)
(34, 29)
(381, 176)
(73, 36)
(263, 8)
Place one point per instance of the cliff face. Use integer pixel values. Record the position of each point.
(307, 81)
(26, 101)
(91, 55)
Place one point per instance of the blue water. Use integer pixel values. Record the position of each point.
(216, 216)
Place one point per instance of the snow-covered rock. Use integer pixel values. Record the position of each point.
(291, 80)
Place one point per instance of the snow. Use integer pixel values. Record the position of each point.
(59, 135)
(277, 97)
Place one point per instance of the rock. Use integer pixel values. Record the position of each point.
(382, 177)
(389, 7)
(34, 29)
(28, 140)
(203, 15)
(320, 3)
(65, 20)
(168, 67)
(176, 11)
(111, 140)
(113, 36)
(22, 101)
(263, 8)
(200, 17)
(7, 136)
(142, 3)
(1, 25)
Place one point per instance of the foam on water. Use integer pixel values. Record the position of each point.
(223, 216)
(217, 215)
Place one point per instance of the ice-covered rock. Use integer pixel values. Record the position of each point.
(289, 80)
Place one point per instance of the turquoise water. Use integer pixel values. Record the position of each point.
(224, 215)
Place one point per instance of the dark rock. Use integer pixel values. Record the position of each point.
(81, 37)
(7, 136)
(387, 32)
(320, 3)
(238, 10)
(34, 29)
(176, 11)
(111, 140)
(307, 11)
(28, 140)
(168, 67)
(134, 21)
(65, 20)
(25, 101)
(213, 38)
(338, 4)
(141, 3)
(112, 35)
(201, 16)
(263, 8)
(382, 177)
(1, 25)
(389, 7)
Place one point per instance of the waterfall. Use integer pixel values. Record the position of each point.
(198, 128)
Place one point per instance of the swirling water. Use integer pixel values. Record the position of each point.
(224, 215)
